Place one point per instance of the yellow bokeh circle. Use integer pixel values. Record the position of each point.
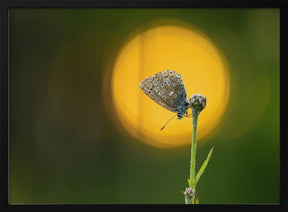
(185, 51)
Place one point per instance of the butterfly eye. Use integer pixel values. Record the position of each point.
(163, 97)
(162, 91)
(178, 82)
(162, 85)
(178, 76)
(173, 84)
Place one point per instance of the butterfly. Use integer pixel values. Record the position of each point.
(167, 89)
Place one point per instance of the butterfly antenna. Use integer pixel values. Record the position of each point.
(168, 121)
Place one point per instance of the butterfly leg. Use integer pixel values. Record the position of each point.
(188, 115)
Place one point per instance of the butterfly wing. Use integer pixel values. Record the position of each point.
(150, 86)
(167, 89)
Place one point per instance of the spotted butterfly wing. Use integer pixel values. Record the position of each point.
(167, 89)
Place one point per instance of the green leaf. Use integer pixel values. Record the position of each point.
(202, 169)
(197, 200)
(188, 181)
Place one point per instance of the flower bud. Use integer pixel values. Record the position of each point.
(197, 102)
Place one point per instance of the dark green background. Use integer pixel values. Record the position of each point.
(64, 148)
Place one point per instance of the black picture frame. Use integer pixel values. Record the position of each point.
(4, 102)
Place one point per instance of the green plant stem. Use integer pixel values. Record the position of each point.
(192, 182)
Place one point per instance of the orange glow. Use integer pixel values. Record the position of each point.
(168, 48)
